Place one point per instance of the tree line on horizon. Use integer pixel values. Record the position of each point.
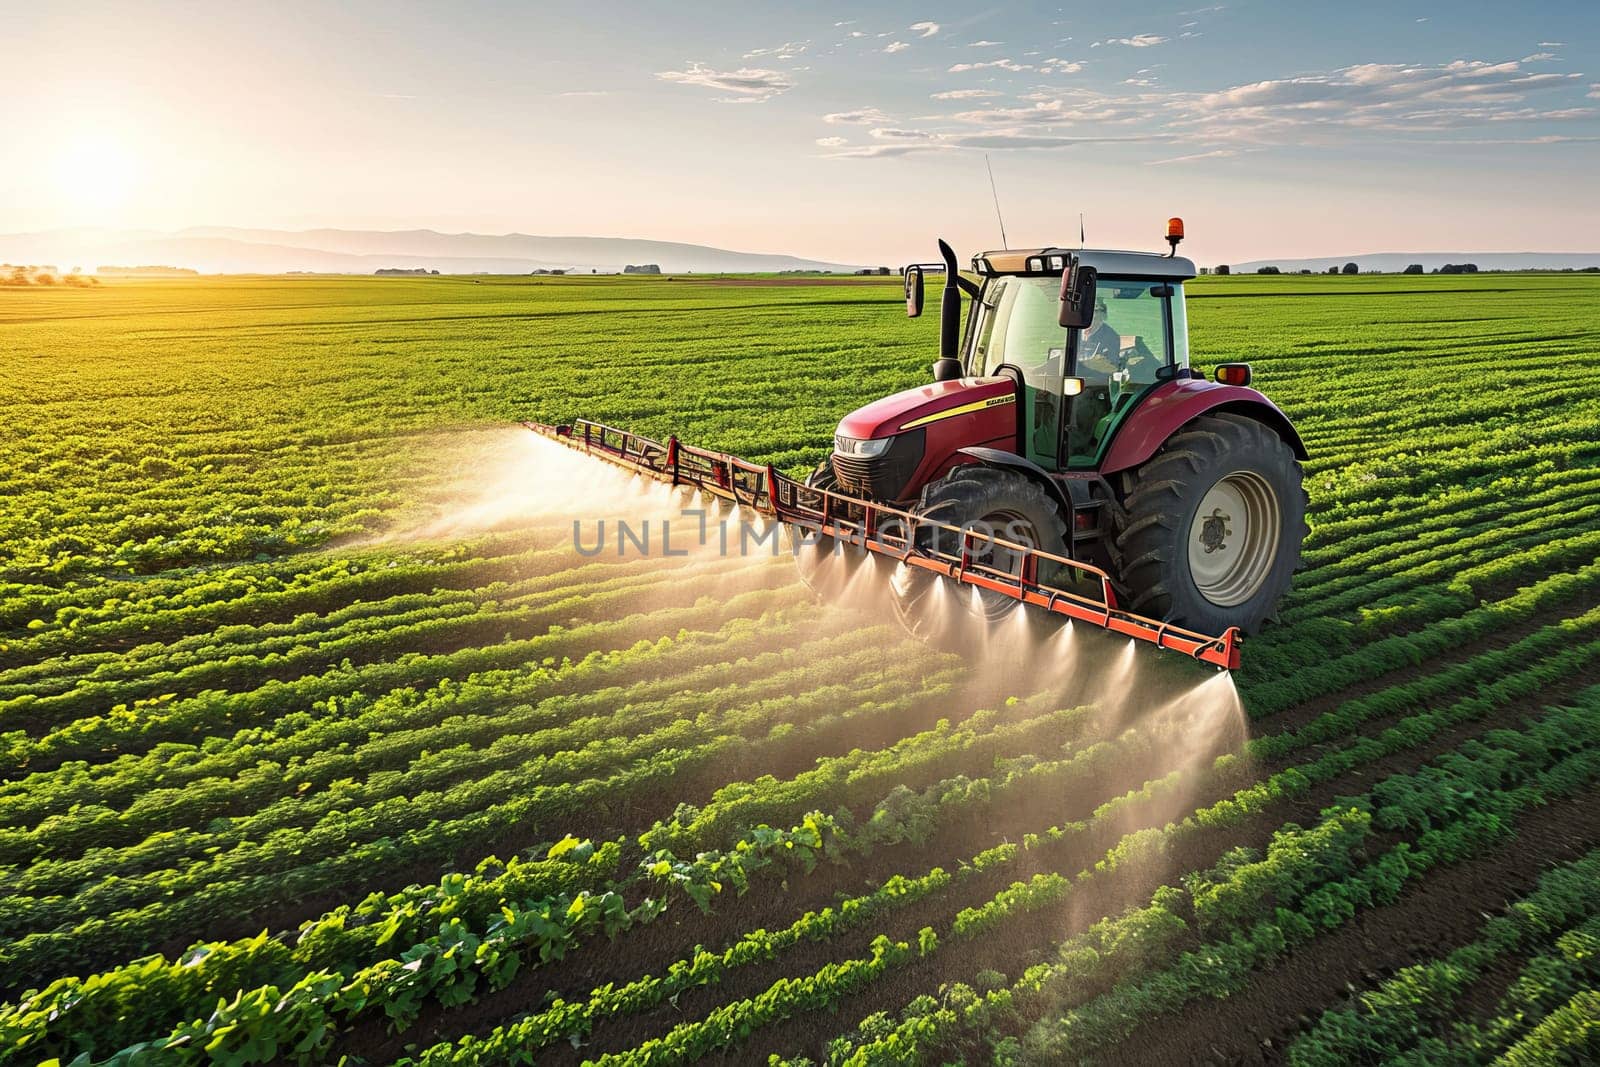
(1414, 268)
(14, 275)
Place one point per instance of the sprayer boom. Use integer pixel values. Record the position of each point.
(891, 532)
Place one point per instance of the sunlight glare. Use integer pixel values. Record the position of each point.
(95, 174)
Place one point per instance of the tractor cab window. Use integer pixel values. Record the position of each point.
(1018, 325)
(1119, 356)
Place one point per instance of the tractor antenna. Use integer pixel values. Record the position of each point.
(1080, 231)
(996, 192)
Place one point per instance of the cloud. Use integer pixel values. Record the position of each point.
(995, 64)
(1216, 153)
(901, 142)
(750, 85)
(1138, 40)
(1391, 103)
(846, 22)
(1538, 57)
(926, 29)
(1393, 98)
(895, 46)
(984, 44)
(1552, 44)
(1055, 109)
(787, 50)
(861, 116)
(831, 142)
(586, 92)
(1060, 66)
(1550, 138)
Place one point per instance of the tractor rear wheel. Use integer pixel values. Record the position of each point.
(1213, 525)
(998, 500)
(823, 563)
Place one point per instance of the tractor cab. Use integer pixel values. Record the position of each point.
(1077, 384)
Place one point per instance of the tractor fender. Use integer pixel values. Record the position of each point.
(1174, 404)
(1000, 459)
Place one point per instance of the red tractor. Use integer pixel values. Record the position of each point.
(1065, 457)
(1065, 416)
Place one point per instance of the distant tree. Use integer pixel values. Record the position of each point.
(1351, 268)
(1305, 270)
(1459, 268)
(1268, 270)
(1414, 268)
(1222, 269)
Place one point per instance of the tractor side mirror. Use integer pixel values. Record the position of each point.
(913, 291)
(1077, 295)
(946, 369)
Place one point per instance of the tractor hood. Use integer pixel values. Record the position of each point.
(927, 404)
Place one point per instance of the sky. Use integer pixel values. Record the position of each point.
(844, 132)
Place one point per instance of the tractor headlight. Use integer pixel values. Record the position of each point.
(851, 446)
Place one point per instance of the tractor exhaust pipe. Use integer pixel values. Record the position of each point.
(947, 366)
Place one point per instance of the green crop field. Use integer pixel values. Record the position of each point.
(319, 741)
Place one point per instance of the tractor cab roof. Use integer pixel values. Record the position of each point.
(1105, 261)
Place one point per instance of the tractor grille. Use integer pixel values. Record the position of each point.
(884, 477)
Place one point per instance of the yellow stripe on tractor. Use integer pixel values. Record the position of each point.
(977, 405)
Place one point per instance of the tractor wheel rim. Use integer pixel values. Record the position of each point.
(1233, 539)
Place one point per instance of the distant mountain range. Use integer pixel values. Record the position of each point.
(1395, 262)
(224, 250)
(227, 250)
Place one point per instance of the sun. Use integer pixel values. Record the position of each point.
(95, 175)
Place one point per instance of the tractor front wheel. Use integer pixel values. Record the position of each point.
(1010, 505)
(824, 564)
(1213, 525)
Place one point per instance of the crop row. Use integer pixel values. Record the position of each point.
(245, 657)
(102, 735)
(472, 740)
(1247, 911)
(44, 620)
(1399, 651)
(562, 1018)
(1557, 927)
(1027, 779)
(431, 827)
(647, 670)
(699, 878)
